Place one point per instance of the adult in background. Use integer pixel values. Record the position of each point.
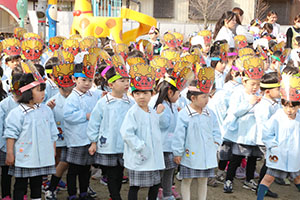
(239, 28)
(224, 27)
(272, 19)
(292, 33)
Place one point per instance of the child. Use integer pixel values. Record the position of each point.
(266, 31)
(30, 135)
(3, 93)
(51, 87)
(104, 128)
(196, 135)
(275, 62)
(143, 152)
(281, 137)
(295, 53)
(6, 106)
(11, 62)
(240, 125)
(268, 105)
(77, 111)
(219, 66)
(232, 56)
(61, 75)
(167, 96)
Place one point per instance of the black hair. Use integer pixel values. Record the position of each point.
(268, 27)
(3, 94)
(269, 78)
(40, 69)
(221, 22)
(277, 54)
(214, 63)
(15, 77)
(12, 58)
(271, 44)
(135, 91)
(231, 50)
(27, 96)
(135, 53)
(78, 68)
(189, 94)
(51, 63)
(216, 46)
(290, 70)
(163, 92)
(229, 76)
(102, 81)
(290, 103)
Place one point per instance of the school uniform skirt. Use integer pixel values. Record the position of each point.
(110, 160)
(21, 172)
(246, 150)
(186, 172)
(225, 152)
(169, 160)
(282, 174)
(63, 154)
(2, 158)
(143, 178)
(79, 155)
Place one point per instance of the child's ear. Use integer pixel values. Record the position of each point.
(73, 79)
(110, 85)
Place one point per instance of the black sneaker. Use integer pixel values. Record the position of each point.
(271, 194)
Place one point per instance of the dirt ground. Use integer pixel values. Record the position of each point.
(285, 192)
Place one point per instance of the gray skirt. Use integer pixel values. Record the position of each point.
(282, 174)
(143, 178)
(2, 158)
(79, 155)
(21, 172)
(246, 150)
(169, 160)
(225, 152)
(63, 154)
(110, 160)
(186, 172)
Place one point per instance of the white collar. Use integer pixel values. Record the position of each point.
(192, 112)
(26, 109)
(110, 98)
(272, 102)
(81, 93)
(52, 84)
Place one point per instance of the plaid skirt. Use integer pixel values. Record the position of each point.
(169, 160)
(246, 150)
(63, 154)
(143, 178)
(20, 172)
(225, 152)
(2, 158)
(79, 155)
(186, 172)
(110, 160)
(282, 174)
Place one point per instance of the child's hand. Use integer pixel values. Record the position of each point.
(177, 159)
(10, 159)
(51, 103)
(160, 108)
(88, 116)
(93, 148)
(104, 93)
(255, 99)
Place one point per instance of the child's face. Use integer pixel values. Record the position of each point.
(274, 93)
(37, 94)
(272, 19)
(290, 111)
(201, 100)
(251, 86)
(12, 64)
(206, 48)
(173, 96)
(220, 67)
(120, 85)
(142, 98)
(83, 84)
(65, 92)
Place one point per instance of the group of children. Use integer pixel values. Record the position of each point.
(194, 106)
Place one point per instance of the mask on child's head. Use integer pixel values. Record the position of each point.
(105, 56)
(88, 42)
(119, 65)
(206, 77)
(29, 67)
(11, 46)
(290, 87)
(63, 75)
(76, 37)
(192, 58)
(246, 52)
(56, 42)
(170, 40)
(71, 45)
(19, 33)
(180, 65)
(171, 55)
(160, 65)
(279, 47)
(142, 77)
(32, 48)
(179, 39)
(240, 41)
(33, 36)
(224, 48)
(206, 34)
(253, 68)
(122, 50)
(89, 65)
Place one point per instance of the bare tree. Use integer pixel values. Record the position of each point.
(261, 6)
(207, 10)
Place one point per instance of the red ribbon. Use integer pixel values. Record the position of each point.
(79, 12)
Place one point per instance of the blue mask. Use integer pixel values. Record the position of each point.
(238, 79)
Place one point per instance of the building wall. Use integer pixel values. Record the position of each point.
(7, 22)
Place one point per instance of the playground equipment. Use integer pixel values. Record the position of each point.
(86, 23)
(22, 7)
(51, 14)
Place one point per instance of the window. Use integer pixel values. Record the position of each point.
(163, 9)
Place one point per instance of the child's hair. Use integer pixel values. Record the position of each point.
(214, 63)
(163, 92)
(27, 96)
(102, 81)
(268, 27)
(3, 94)
(272, 12)
(254, 21)
(135, 91)
(15, 77)
(195, 46)
(221, 22)
(297, 18)
(98, 78)
(229, 76)
(277, 54)
(290, 70)
(12, 58)
(186, 45)
(40, 69)
(271, 44)
(216, 46)
(78, 68)
(135, 53)
(238, 11)
(189, 94)
(290, 103)
(232, 50)
(51, 63)
(269, 78)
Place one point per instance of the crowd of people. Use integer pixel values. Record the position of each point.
(201, 106)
